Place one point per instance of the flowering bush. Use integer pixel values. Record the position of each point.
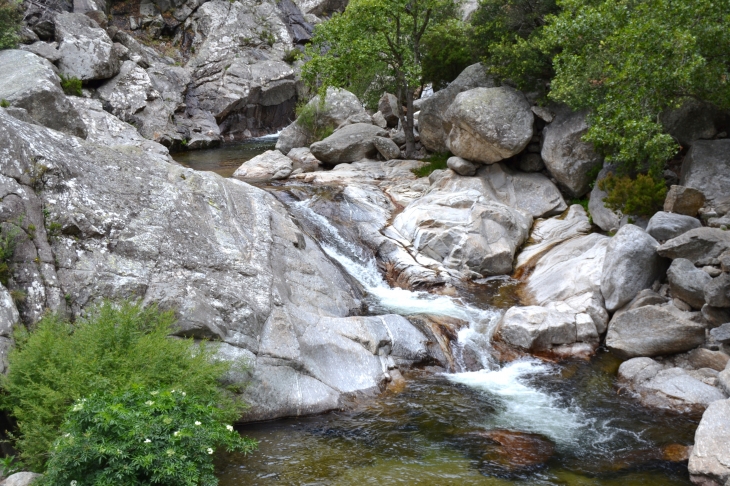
(141, 436)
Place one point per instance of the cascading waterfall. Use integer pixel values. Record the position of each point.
(522, 405)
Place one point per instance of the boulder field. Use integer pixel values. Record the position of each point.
(102, 211)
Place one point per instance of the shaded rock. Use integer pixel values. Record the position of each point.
(631, 264)
(710, 459)
(379, 120)
(723, 381)
(705, 358)
(693, 120)
(46, 50)
(688, 282)
(722, 333)
(388, 107)
(666, 388)
(653, 331)
(665, 226)
(430, 121)
(603, 217)
(21, 479)
(462, 166)
(30, 83)
(701, 246)
(9, 319)
(339, 105)
(349, 144)
(303, 159)
(715, 315)
(517, 450)
(270, 166)
(543, 113)
(643, 298)
(717, 291)
(299, 29)
(707, 168)
(684, 200)
(488, 124)
(529, 162)
(387, 148)
(86, 51)
(569, 159)
(676, 452)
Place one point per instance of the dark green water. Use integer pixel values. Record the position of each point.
(226, 159)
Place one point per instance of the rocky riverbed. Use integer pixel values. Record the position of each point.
(334, 271)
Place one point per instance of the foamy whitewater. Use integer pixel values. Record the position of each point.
(519, 405)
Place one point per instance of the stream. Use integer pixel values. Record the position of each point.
(526, 422)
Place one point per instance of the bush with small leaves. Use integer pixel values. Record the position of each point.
(71, 85)
(642, 196)
(114, 347)
(11, 18)
(142, 436)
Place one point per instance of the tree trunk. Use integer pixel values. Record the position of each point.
(405, 96)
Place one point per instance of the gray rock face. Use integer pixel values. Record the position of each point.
(709, 462)
(603, 217)
(688, 282)
(430, 120)
(348, 144)
(29, 82)
(339, 105)
(569, 159)
(225, 255)
(21, 479)
(9, 318)
(488, 124)
(653, 331)
(46, 50)
(303, 159)
(387, 148)
(717, 291)
(667, 388)
(684, 200)
(388, 107)
(86, 50)
(665, 226)
(715, 316)
(632, 264)
(531, 162)
(270, 166)
(701, 246)
(462, 166)
(707, 168)
(692, 121)
(722, 333)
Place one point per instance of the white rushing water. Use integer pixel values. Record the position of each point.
(519, 404)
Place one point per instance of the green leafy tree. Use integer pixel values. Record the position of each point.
(505, 33)
(115, 347)
(446, 53)
(10, 23)
(142, 436)
(377, 42)
(630, 60)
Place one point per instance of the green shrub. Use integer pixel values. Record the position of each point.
(292, 55)
(8, 242)
(446, 53)
(308, 117)
(11, 18)
(4, 103)
(434, 162)
(642, 196)
(141, 436)
(115, 347)
(71, 85)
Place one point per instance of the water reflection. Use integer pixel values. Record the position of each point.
(226, 159)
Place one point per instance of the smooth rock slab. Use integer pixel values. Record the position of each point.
(488, 124)
(272, 165)
(603, 217)
(653, 331)
(632, 264)
(688, 282)
(707, 168)
(709, 462)
(664, 226)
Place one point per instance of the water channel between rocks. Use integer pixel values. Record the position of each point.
(450, 429)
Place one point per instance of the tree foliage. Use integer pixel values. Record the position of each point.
(447, 51)
(115, 347)
(376, 43)
(10, 23)
(629, 60)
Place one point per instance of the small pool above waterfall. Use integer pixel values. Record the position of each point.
(224, 160)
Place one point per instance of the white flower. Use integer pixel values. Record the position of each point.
(230, 428)
(74, 482)
(176, 432)
(197, 423)
(67, 435)
(149, 402)
(147, 441)
(154, 392)
(210, 451)
(78, 407)
(183, 393)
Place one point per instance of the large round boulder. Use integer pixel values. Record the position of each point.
(488, 124)
(86, 50)
(570, 160)
(348, 144)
